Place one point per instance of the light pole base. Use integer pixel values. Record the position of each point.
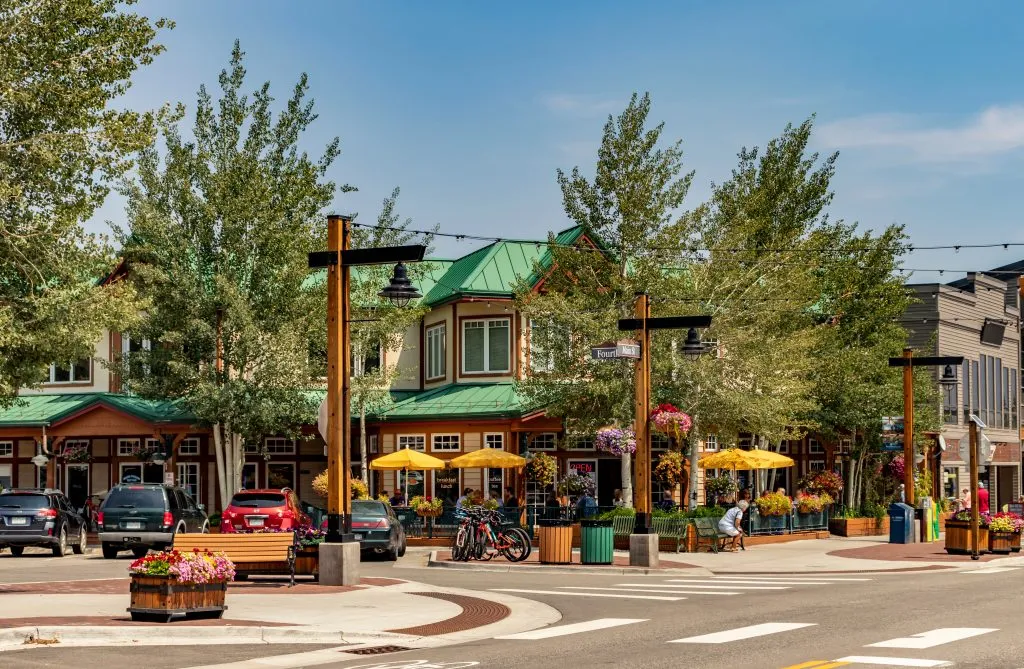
(339, 563)
(643, 550)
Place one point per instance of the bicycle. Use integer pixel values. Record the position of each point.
(478, 539)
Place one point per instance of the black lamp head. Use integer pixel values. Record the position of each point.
(400, 291)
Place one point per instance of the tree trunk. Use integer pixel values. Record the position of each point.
(627, 479)
(218, 450)
(362, 445)
(691, 503)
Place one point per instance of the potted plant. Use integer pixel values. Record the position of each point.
(670, 469)
(356, 487)
(541, 468)
(307, 549)
(811, 511)
(575, 484)
(669, 420)
(1001, 529)
(958, 533)
(427, 507)
(615, 440)
(77, 454)
(822, 483)
(173, 583)
(718, 486)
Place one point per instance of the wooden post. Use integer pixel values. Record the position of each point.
(908, 427)
(339, 428)
(642, 490)
(972, 463)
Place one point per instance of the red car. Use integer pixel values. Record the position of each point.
(260, 509)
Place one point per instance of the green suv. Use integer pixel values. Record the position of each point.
(138, 517)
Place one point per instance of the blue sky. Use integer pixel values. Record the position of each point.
(470, 107)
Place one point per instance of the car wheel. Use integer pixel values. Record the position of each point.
(392, 554)
(109, 551)
(83, 540)
(140, 551)
(17, 551)
(401, 549)
(60, 548)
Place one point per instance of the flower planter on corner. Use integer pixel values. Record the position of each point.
(161, 598)
(958, 537)
(1015, 542)
(307, 561)
(1000, 542)
(859, 527)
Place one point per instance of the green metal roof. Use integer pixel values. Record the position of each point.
(41, 410)
(459, 400)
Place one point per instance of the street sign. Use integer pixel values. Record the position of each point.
(614, 351)
(892, 445)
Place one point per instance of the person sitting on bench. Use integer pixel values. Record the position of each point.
(730, 524)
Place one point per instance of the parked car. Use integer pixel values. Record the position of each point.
(251, 510)
(40, 517)
(138, 517)
(377, 528)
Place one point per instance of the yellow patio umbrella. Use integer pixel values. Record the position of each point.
(737, 458)
(489, 458)
(407, 459)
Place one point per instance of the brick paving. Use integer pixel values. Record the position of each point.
(476, 612)
(102, 621)
(534, 559)
(930, 552)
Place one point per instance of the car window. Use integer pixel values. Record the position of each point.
(255, 500)
(135, 497)
(189, 502)
(368, 508)
(64, 503)
(24, 501)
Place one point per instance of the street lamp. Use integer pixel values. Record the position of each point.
(339, 554)
(693, 347)
(400, 290)
(948, 378)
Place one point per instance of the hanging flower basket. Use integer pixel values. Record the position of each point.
(541, 468)
(669, 420)
(670, 469)
(575, 484)
(616, 441)
(356, 487)
(427, 507)
(75, 454)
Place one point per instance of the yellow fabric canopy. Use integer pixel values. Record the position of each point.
(489, 457)
(407, 459)
(736, 458)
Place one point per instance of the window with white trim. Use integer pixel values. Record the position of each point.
(580, 442)
(189, 446)
(814, 447)
(545, 441)
(844, 445)
(486, 346)
(495, 440)
(371, 443)
(784, 446)
(128, 447)
(444, 442)
(279, 446)
(79, 371)
(131, 345)
(188, 478)
(415, 442)
(436, 351)
(70, 444)
(6, 449)
(659, 441)
(711, 442)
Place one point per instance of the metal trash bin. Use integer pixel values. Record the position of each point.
(901, 524)
(555, 537)
(597, 542)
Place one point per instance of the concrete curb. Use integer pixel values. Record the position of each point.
(433, 562)
(22, 638)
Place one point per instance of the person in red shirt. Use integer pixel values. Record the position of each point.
(982, 498)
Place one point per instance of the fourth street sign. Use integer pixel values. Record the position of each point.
(613, 351)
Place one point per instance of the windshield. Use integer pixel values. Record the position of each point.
(16, 501)
(368, 508)
(254, 500)
(135, 498)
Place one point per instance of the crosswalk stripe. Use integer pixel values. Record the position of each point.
(710, 584)
(588, 594)
(651, 590)
(796, 577)
(818, 664)
(576, 628)
(741, 633)
(894, 661)
(698, 586)
(989, 570)
(752, 581)
(933, 638)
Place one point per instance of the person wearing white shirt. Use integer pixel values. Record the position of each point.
(730, 524)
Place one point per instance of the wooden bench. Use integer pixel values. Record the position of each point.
(272, 553)
(671, 528)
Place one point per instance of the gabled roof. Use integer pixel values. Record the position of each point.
(45, 410)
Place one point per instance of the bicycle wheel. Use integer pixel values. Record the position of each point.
(526, 541)
(517, 548)
(459, 547)
(479, 544)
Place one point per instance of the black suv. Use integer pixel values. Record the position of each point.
(138, 517)
(37, 517)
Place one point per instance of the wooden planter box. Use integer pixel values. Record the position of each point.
(1015, 542)
(429, 514)
(161, 598)
(1001, 542)
(943, 517)
(859, 527)
(958, 537)
(307, 561)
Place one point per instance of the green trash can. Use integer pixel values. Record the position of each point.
(597, 542)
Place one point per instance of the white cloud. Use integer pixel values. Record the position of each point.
(996, 131)
(582, 105)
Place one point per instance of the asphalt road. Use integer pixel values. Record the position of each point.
(810, 625)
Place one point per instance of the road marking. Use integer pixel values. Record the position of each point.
(818, 664)
(795, 578)
(652, 589)
(588, 594)
(741, 633)
(990, 570)
(753, 581)
(933, 638)
(575, 628)
(894, 661)
(710, 584)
